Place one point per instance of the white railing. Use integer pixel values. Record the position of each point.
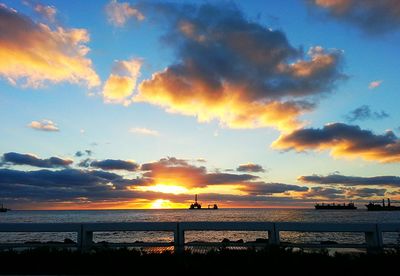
(373, 232)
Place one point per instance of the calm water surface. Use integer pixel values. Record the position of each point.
(273, 215)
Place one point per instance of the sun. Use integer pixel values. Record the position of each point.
(160, 204)
(165, 204)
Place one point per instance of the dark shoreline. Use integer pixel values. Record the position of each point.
(224, 262)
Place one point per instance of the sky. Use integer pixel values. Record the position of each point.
(143, 104)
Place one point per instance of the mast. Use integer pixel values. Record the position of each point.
(195, 198)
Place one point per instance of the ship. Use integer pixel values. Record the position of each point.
(3, 209)
(197, 206)
(335, 206)
(372, 206)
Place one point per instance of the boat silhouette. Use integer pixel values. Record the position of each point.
(372, 206)
(3, 209)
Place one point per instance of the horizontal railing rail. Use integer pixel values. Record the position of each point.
(84, 231)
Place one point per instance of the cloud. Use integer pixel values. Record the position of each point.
(325, 193)
(364, 112)
(63, 184)
(119, 13)
(234, 70)
(375, 84)
(44, 125)
(80, 153)
(386, 180)
(343, 141)
(14, 158)
(110, 164)
(262, 188)
(48, 12)
(250, 167)
(180, 173)
(371, 16)
(122, 81)
(365, 192)
(144, 131)
(32, 53)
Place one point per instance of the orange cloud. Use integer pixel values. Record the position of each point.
(122, 81)
(229, 107)
(34, 53)
(343, 141)
(177, 172)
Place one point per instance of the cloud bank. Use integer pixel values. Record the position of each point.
(14, 158)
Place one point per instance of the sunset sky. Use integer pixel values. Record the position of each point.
(142, 104)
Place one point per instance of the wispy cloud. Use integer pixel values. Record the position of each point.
(48, 12)
(364, 112)
(44, 125)
(375, 84)
(119, 13)
(371, 16)
(250, 167)
(144, 131)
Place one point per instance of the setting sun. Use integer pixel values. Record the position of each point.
(166, 204)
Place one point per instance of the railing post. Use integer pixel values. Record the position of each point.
(86, 239)
(179, 239)
(273, 235)
(374, 240)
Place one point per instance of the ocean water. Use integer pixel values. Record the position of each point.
(271, 215)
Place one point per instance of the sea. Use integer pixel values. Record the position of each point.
(179, 215)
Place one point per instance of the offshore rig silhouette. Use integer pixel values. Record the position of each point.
(197, 206)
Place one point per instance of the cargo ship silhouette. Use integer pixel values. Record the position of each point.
(334, 206)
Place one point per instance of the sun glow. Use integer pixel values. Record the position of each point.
(165, 204)
(163, 188)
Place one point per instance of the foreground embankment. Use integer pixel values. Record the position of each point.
(49, 261)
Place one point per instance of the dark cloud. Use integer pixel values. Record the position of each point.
(372, 16)
(365, 192)
(262, 188)
(250, 168)
(109, 164)
(14, 158)
(325, 193)
(235, 70)
(67, 184)
(112, 164)
(388, 180)
(364, 112)
(83, 153)
(344, 141)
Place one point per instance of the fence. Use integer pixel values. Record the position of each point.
(373, 233)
